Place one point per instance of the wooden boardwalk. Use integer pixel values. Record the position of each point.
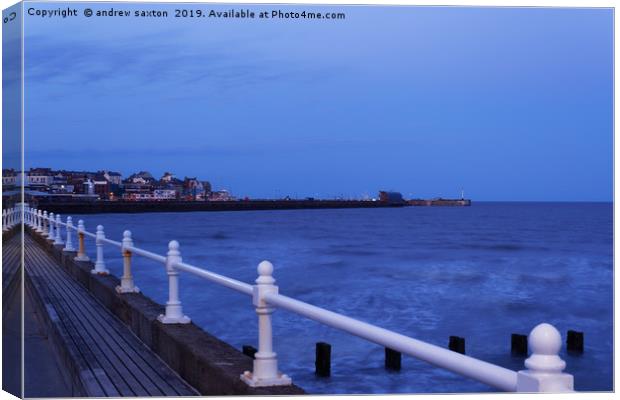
(11, 261)
(106, 357)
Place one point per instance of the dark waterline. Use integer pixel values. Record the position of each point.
(481, 272)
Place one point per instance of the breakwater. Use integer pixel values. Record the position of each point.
(440, 202)
(180, 206)
(103, 206)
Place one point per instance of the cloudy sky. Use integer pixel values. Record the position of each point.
(508, 104)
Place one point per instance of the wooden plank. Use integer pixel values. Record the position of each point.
(11, 259)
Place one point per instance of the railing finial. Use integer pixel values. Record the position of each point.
(544, 366)
(265, 273)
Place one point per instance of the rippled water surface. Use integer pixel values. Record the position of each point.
(481, 272)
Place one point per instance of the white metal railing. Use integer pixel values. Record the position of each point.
(543, 371)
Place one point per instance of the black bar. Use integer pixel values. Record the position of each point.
(518, 344)
(457, 344)
(574, 341)
(323, 359)
(392, 359)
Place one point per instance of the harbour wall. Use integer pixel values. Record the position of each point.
(179, 206)
(440, 202)
(97, 207)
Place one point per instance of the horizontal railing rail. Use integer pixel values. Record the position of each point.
(230, 283)
(543, 368)
(482, 371)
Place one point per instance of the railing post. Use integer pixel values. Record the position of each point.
(39, 224)
(5, 225)
(81, 255)
(174, 310)
(265, 371)
(58, 240)
(127, 285)
(45, 224)
(51, 234)
(544, 366)
(99, 263)
(69, 243)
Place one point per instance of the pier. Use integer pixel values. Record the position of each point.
(203, 363)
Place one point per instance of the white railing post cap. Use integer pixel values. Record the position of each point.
(265, 273)
(544, 366)
(265, 283)
(173, 246)
(174, 255)
(127, 241)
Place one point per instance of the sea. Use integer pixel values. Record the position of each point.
(482, 273)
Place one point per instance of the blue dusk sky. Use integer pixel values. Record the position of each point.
(506, 103)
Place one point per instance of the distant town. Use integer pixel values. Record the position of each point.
(110, 185)
(107, 191)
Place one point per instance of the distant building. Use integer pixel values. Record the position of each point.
(192, 188)
(138, 196)
(60, 183)
(391, 197)
(130, 189)
(221, 195)
(115, 178)
(142, 177)
(101, 186)
(167, 177)
(206, 185)
(9, 179)
(39, 178)
(164, 194)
